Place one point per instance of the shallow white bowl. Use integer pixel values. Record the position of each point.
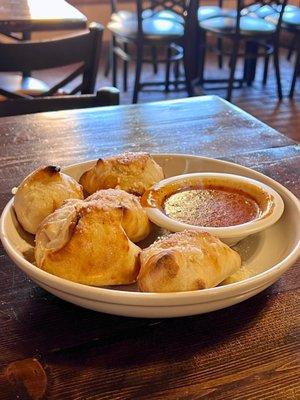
(230, 234)
(267, 255)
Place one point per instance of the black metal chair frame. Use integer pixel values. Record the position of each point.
(219, 40)
(292, 47)
(114, 10)
(174, 51)
(107, 96)
(297, 65)
(269, 44)
(81, 48)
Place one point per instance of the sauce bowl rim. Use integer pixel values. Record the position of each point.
(157, 216)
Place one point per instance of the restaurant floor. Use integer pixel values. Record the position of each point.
(258, 100)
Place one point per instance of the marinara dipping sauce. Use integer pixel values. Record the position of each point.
(211, 206)
(229, 206)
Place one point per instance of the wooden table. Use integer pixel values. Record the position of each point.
(39, 15)
(248, 351)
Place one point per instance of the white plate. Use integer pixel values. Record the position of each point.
(266, 256)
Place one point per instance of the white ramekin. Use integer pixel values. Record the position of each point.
(231, 234)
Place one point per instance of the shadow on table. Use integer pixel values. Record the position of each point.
(154, 351)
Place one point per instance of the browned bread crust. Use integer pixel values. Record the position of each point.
(132, 172)
(42, 192)
(84, 243)
(134, 219)
(184, 261)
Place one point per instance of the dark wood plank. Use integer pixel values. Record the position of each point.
(281, 164)
(248, 351)
(22, 15)
(206, 126)
(210, 360)
(260, 101)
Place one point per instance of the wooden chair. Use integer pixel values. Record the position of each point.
(83, 48)
(104, 97)
(261, 38)
(156, 23)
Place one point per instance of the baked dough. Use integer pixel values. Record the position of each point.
(134, 219)
(41, 193)
(84, 243)
(132, 172)
(184, 261)
(240, 275)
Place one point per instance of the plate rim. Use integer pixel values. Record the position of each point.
(151, 299)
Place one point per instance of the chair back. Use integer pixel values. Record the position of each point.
(83, 48)
(151, 8)
(254, 7)
(108, 96)
(219, 3)
(177, 6)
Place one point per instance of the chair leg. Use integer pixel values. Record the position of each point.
(154, 59)
(296, 72)
(233, 61)
(176, 73)
(114, 63)
(138, 70)
(125, 69)
(251, 50)
(108, 60)
(26, 36)
(292, 48)
(290, 53)
(266, 68)
(188, 83)
(202, 54)
(168, 66)
(277, 71)
(220, 56)
(188, 79)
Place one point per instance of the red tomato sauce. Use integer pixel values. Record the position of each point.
(211, 206)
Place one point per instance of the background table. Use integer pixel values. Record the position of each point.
(248, 351)
(38, 15)
(26, 16)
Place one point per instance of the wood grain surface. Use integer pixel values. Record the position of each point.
(248, 351)
(22, 15)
